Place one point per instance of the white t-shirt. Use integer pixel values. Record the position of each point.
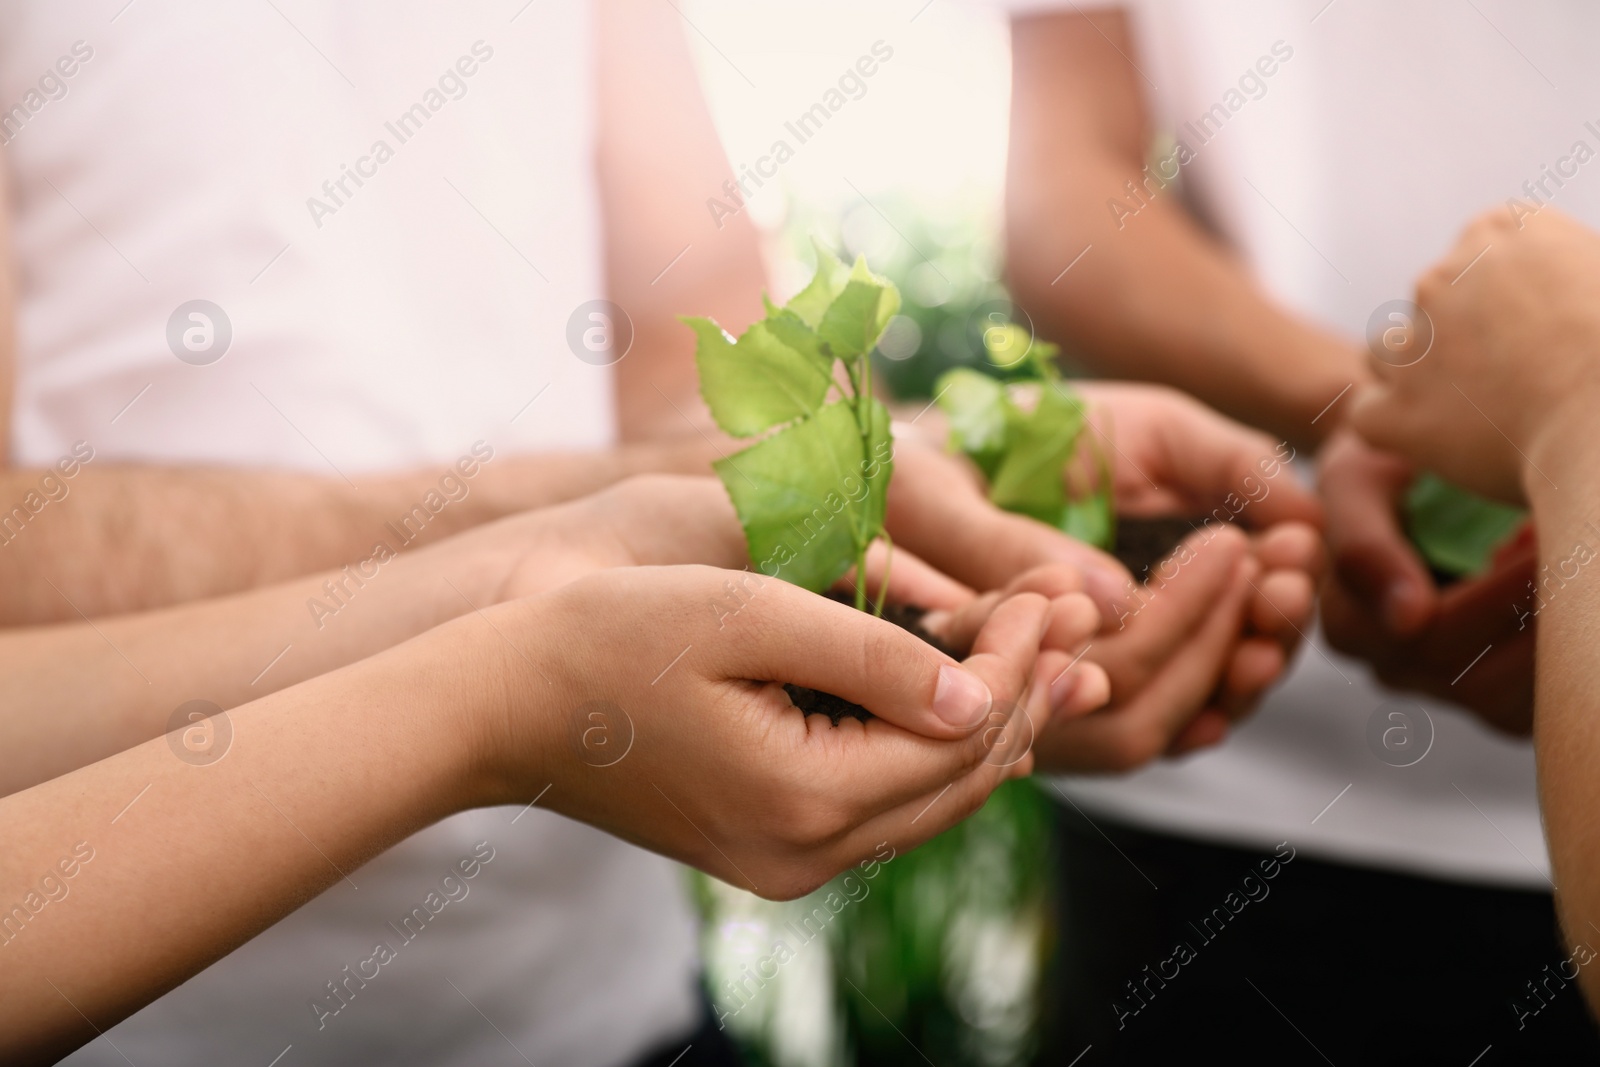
(165, 151)
(1338, 177)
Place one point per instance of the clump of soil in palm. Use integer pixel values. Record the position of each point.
(1144, 542)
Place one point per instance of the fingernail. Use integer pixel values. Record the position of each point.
(960, 699)
(1061, 690)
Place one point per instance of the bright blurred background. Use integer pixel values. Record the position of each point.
(930, 127)
(944, 951)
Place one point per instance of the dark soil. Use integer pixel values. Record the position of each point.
(1144, 542)
(816, 702)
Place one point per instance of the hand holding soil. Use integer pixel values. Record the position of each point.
(715, 750)
(1183, 660)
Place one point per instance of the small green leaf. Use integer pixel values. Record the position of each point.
(1455, 530)
(980, 414)
(807, 495)
(812, 302)
(856, 318)
(758, 381)
(1030, 478)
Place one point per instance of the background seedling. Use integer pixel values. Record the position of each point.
(1024, 451)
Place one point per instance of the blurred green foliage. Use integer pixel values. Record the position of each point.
(938, 953)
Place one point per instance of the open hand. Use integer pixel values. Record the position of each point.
(1183, 664)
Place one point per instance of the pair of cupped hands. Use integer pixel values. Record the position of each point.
(639, 662)
(1494, 389)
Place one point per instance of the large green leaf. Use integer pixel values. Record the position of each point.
(812, 302)
(1457, 531)
(980, 414)
(758, 381)
(855, 320)
(810, 493)
(1030, 477)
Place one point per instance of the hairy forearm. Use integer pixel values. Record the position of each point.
(114, 539)
(1566, 727)
(170, 869)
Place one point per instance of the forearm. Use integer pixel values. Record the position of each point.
(1158, 301)
(182, 866)
(114, 539)
(78, 693)
(1566, 727)
(661, 171)
(1153, 296)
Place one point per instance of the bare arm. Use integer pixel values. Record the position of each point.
(1566, 726)
(76, 693)
(120, 539)
(121, 879)
(666, 255)
(1155, 297)
(321, 757)
(8, 328)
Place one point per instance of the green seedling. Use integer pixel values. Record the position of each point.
(810, 492)
(1024, 452)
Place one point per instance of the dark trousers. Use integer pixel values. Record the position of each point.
(1174, 951)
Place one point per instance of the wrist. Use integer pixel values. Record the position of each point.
(1561, 464)
(425, 704)
(501, 710)
(1325, 402)
(445, 581)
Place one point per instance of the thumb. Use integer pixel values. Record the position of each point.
(800, 638)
